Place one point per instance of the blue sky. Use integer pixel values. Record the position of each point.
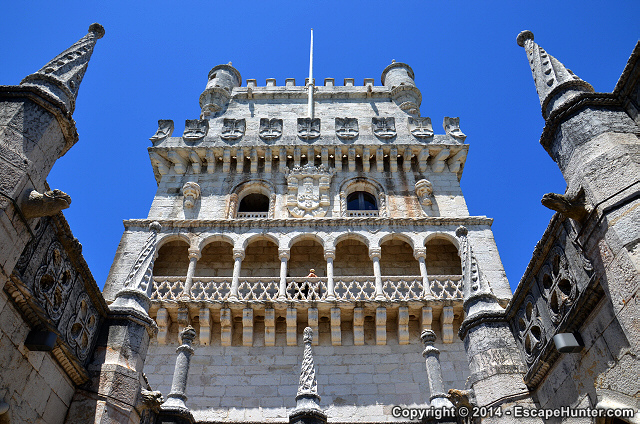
(154, 59)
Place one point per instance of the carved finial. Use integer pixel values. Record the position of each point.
(155, 227)
(555, 84)
(307, 397)
(307, 335)
(393, 61)
(60, 78)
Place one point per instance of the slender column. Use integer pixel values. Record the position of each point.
(431, 354)
(194, 256)
(420, 254)
(238, 256)
(330, 255)
(177, 397)
(374, 254)
(284, 257)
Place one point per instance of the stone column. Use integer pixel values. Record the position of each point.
(374, 254)
(284, 257)
(329, 256)
(175, 406)
(431, 355)
(194, 256)
(238, 256)
(420, 254)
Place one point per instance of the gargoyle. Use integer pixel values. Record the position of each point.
(461, 398)
(573, 207)
(150, 399)
(47, 204)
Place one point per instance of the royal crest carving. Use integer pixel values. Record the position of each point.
(308, 128)
(347, 128)
(233, 129)
(165, 129)
(195, 129)
(270, 129)
(54, 280)
(420, 127)
(308, 191)
(82, 326)
(384, 127)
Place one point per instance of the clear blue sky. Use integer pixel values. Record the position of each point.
(154, 59)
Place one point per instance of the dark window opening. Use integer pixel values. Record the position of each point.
(361, 201)
(254, 202)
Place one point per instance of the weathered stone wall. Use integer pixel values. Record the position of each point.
(352, 258)
(356, 383)
(216, 260)
(442, 258)
(397, 259)
(306, 255)
(261, 260)
(173, 259)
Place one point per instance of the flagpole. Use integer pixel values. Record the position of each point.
(310, 105)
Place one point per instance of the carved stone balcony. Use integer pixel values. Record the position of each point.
(363, 213)
(249, 215)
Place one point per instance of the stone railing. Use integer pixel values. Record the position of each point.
(307, 289)
(252, 215)
(363, 213)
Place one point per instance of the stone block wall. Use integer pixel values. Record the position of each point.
(216, 260)
(352, 258)
(442, 258)
(259, 383)
(32, 383)
(173, 259)
(397, 259)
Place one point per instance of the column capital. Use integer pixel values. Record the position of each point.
(375, 252)
(238, 254)
(420, 252)
(284, 254)
(428, 338)
(329, 253)
(194, 253)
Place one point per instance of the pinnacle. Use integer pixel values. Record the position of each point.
(97, 29)
(523, 36)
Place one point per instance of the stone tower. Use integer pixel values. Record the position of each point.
(275, 216)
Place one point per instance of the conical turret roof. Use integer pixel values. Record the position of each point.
(61, 77)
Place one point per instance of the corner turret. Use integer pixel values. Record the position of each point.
(399, 78)
(555, 84)
(215, 97)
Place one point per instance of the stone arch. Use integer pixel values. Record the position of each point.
(451, 238)
(305, 236)
(397, 236)
(213, 238)
(167, 238)
(442, 255)
(397, 255)
(252, 187)
(306, 251)
(351, 236)
(260, 256)
(251, 238)
(216, 257)
(352, 256)
(363, 184)
(173, 256)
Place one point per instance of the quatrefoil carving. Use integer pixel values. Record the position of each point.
(557, 284)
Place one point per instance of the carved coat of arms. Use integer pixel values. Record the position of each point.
(420, 127)
(195, 129)
(308, 191)
(308, 128)
(165, 129)
(384, 127)
(233, 129)
(347, 128)
(270, 129)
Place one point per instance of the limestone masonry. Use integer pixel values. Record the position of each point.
(308, 247)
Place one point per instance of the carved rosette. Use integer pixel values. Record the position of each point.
(233, 129)
(308, 191)
(270, 129)
(54, 280)
(384, 127)
(195, 129)
(530, 331)
(557, 284)
(165, 130)
(347, 128)
(308, 128)
(420, 127)
(191, 193)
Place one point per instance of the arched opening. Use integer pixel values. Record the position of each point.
(352, 259)
(261, 260)
(216, 260)
(361, 201)
(396, 259)
(442, 258)
(254, 202)
(306, 255)
(173, 259)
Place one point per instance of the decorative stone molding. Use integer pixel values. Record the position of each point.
(438, 398)
(177, 398)
(308, 128)
(452, 127)
(424, 191)
(426, 317)
(381, 325)
(384, 128)
(184, 319)
(225, 327)
(195, 129)
(446, 320)
(196, 161)
(456, 161)
(420, 127)
(383, 211)
(205, 326)
(82, 326)
(308, 191)
(439, 162)
(347, 128)
(165, 130)
(233, 129)
(180, 164)
(272, 206)
(46, 204)
(375, 252)
(191, 193)
(270, 129)
(307, 399)
(343, 204)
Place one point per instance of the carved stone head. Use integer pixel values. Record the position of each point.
(191, 192)
(424, 191)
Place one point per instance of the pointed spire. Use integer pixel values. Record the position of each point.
(61, 77)
(477, 293)
(307, 397)
(555, 83)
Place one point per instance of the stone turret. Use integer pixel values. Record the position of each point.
(555, 83)
(215, 97)
(400, 79)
